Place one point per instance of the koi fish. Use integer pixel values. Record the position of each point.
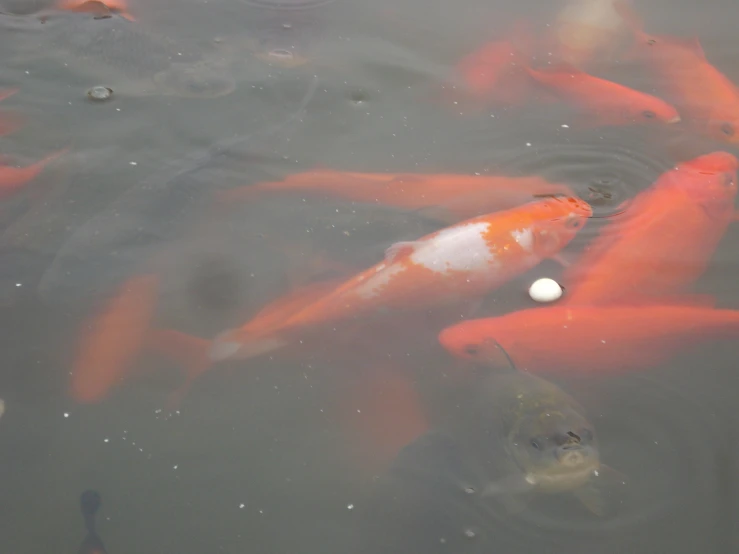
(494, 71)
(664, 240)
(100, 9)
(702, 94)
(608, 338)
(113, 339)
(604, 102)
(463, 261)
(13, 179)
(451, 197)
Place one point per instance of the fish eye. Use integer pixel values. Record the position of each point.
(471, 349)
(649, 114)
(535, 444)
(727, 129)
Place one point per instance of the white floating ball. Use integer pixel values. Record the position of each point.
(545, 290)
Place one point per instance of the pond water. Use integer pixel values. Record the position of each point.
(301, 451)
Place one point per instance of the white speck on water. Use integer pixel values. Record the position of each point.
(442, 540)
(350, 506)
(596, 473)
(528, 144)
(469, 533)
(66, 414)
(241, 506)
(18, 284)
(132, 163)
(261, 511)
(175, 467)
(565, 126)
(106, 440)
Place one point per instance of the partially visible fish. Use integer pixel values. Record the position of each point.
(9, 121)
(603, 102)
(707, 99)
(460, 196)
(13, 179)
(99, 8)
(535, 437)
(89, 505)
(594, 339)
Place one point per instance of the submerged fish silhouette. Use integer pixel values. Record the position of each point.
(89, 505)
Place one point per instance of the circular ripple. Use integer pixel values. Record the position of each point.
(606, 176)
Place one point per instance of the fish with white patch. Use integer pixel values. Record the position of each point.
(464, 261)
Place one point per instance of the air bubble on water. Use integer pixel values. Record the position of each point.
(470, 533)
(66, 414)
(350, 506)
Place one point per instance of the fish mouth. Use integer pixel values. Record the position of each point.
(563, 478)
(676, 119)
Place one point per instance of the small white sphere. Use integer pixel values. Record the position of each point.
(545, 290)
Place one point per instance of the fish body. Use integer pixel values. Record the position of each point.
(702, 93)
(592, 339)
(665, 239)
(462, 196)
(89, 505)
(533, 435)
(604, 101)
(13, 179)
(460, 262)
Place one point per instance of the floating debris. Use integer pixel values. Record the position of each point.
(100, 93)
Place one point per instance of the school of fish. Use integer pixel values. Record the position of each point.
(629, 302)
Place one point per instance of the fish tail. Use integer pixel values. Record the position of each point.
(90, 501)
(190, 352)
(236, 344)
(635, 22)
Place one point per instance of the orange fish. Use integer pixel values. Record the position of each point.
(450, 197)
(704, 96)
(495, 71)
(13, 179)
(113, 339)
(603, 102)
(591, 339)
(99, 8)
(463, 261)
(664, 240)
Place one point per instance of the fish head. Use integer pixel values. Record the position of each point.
(710, 181)
(554, 223)
(724, 127)
(654, 110)
(555, 446)
(475, 341)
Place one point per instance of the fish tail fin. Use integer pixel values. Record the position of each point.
(190, 352)
(236, 343)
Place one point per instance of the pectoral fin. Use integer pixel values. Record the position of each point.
(513, 492)
(600, 494)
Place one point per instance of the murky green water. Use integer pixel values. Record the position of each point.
(258, 456)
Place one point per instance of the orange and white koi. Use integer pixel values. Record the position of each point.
(466, 260)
